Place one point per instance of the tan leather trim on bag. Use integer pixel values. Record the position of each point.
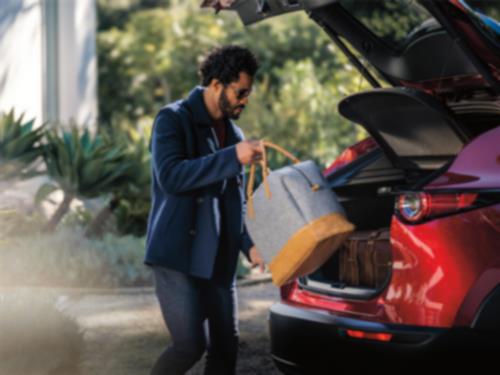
(310, 247)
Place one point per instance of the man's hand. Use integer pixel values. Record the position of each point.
(256, 259)
(249, 151)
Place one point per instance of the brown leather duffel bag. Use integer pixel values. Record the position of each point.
(365, 258)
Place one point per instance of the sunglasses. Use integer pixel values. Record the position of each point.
(241, 93)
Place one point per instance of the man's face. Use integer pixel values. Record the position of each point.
(234, 96)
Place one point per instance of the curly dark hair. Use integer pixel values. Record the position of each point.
(225, 64)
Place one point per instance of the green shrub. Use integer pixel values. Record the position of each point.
(81, 165)
(66, 258)
(36, 337)
(132, 215)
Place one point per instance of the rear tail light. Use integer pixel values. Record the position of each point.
(378, 336)
(416, 207)
(287, 290)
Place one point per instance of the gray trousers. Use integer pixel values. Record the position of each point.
(200, 315)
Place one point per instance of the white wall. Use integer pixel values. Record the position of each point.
(77, 61)
(23, 58)
(21, 67)
(24, 82)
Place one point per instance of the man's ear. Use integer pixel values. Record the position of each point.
(216, 85)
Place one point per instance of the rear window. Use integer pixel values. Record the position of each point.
(396, 22)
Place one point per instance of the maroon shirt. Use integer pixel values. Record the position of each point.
(220, 131)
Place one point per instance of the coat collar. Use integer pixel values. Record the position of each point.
(198, 108)
(201, 116)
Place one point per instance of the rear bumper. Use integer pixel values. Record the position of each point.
(304, 340)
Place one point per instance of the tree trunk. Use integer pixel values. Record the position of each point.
(59, 214)
(96, 226)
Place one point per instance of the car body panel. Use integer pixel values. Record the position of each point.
(350, 154)
(432, 272)
(408, 125)
(477, 166)
(486, 49)
(478, 295)
(308, 341)
(441, 260)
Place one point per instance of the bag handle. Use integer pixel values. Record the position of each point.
(265, 172)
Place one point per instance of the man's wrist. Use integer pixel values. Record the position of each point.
(235, 148)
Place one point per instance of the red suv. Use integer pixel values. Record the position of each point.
(420, 277)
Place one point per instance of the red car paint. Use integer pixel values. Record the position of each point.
(476, 167)
(443, 268)
(350, 154)
(433, 270)
(474, 39)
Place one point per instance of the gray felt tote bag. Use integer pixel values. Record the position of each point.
(294, 218)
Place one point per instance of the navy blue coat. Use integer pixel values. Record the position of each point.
(190, 176)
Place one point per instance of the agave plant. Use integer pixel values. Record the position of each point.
(82, 166)
(134, 183)
(19, 146)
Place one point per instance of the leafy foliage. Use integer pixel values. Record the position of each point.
(151, 55)
(286, 120)
(152, 59)
(19, 146)
(81, 165)
(131, 200)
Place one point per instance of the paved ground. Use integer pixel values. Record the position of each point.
(124, 332)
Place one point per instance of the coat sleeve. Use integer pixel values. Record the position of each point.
(174, 171)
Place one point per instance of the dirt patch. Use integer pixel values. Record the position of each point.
(125, 333)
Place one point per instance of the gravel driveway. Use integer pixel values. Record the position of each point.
(124, 332)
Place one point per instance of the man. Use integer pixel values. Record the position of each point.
(196, 224)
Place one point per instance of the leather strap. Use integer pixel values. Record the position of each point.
(265, 173)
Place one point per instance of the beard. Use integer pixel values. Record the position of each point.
(228, 110)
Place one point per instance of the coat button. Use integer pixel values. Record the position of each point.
(199, 200)
(192, 232)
